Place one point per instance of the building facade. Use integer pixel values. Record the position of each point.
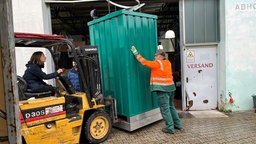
(216, 48)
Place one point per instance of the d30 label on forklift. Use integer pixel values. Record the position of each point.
(46, 113)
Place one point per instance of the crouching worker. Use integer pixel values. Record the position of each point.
(161, 82)
(34, 75)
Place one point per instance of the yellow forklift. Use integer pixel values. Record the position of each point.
(74, 117)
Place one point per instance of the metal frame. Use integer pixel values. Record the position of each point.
(11, 112)
(140, 120)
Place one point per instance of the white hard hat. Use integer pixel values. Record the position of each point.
(169, 34)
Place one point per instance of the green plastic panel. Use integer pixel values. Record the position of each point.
(122, 76)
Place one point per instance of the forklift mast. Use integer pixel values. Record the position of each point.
(87, 61)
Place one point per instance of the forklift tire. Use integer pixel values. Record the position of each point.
(98, 127)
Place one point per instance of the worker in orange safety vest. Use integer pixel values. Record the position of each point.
(161, 82)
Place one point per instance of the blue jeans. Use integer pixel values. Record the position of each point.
(168, 110)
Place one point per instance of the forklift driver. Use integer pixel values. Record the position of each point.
(34, 75)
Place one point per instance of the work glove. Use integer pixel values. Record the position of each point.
(134, 50)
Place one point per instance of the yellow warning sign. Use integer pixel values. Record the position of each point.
(190, 56)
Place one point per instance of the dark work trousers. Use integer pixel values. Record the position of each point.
(168, 110)
(46, 88)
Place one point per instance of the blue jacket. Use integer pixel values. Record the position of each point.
(73, 77)
(34, 76)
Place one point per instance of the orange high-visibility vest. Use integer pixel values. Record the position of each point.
(161, 71)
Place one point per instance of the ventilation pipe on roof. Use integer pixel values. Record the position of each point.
(132, 8)
(68, 1)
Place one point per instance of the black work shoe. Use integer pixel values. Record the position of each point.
(167, 131)
(178, 128)
(57, 94)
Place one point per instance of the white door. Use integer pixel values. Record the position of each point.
(200, 77)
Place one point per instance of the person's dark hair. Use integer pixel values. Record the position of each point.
(35, 58)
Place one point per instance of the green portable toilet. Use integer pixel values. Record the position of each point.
(123, 77)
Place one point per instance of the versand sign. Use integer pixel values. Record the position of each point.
(200, 65)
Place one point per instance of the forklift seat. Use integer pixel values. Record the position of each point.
(25, 93)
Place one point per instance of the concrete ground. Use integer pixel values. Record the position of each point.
(201, 127)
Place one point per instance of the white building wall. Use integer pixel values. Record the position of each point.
(31, 16)
(237, 52)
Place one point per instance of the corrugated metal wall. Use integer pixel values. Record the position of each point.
(201, 21)
(122, 76)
